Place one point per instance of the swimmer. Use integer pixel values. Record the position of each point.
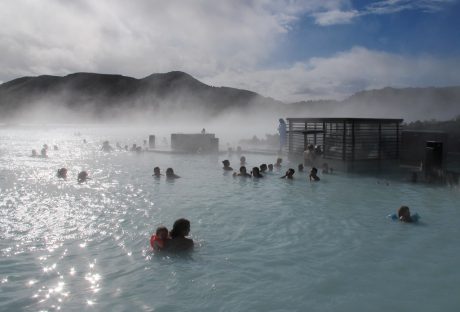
(300, 167)
(404, 214)
(34, 153)
(278, 163)
(179, 241)
(242, 161)
(156, 172)
(256, 173)
(82, 177)
(289, 174)
(314, 174)
(158, 240)
(242, 173)
(62, 173)
(263, 168)
(170, 174)
(106, 147)
(43, 152)
(270, 167)
(227, 165)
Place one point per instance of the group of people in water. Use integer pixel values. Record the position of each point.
(82, 177)
(257, 172)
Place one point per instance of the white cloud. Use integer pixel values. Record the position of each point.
(335, 17)
(345, 73)
(220, 42)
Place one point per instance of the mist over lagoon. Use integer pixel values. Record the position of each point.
(229, 156)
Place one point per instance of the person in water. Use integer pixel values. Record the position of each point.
(300, 168)
(243, 173)
(106, 147)
(263, 168)
(170, 174)
(314, 174)
(43, 152)
(34, 153)
(227, 165)
(158, 240)
(278, 162)
(156, 172)
(256, 173)
(270, 167)
(289, 174)
(178, 240)
(242, 161)
(404, 214)
(82, 177)
(62, 173)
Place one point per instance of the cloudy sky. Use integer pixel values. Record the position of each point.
(287, 49)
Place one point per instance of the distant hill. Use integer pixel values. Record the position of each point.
(101, 94)
(106, 96)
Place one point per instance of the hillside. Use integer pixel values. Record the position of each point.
(106, 96)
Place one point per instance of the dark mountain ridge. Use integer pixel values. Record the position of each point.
(105, 95)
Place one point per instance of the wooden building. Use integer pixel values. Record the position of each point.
(346, 139)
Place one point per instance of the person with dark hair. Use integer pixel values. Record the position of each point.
(404, 214)
(270, 167)
(178, 240)
(170, 174)
(289, 174)
(256, 173)
(263, 168)
(156, 172)
(82, 177)
(300, 167)
(314, 174)
(227, 165)
(243, 173)
(62, 173)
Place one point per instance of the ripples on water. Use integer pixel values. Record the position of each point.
(266, 245)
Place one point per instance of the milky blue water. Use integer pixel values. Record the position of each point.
(261, 245)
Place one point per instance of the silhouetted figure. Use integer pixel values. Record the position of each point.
(226, 164)
(243, 173)
(263, 168)
(170, 174)
(300, 168)
(289, 174)
(43, 152)
(203, 131)
(314, 174)
(179, 242)
(156, 172)
(34, 153)
(82, 177)
(256, 173)
(404, 214)
(106, 147)
(62, 173)
(270, 167)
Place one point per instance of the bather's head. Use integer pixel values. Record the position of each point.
(181, 228)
